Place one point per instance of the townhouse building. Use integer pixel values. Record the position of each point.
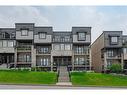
(109, 48)
(28, 45)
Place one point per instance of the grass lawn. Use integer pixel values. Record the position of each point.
(97, 79)
(27, 77)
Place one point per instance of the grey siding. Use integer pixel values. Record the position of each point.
(75, 31)
(48, 39)
(20, 37)
(75, 39)
(113, 33)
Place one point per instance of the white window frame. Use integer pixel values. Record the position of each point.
(12, 43)
(24, 32)
(5, 43)
(42, 35)
(81, 36)
(114, 39)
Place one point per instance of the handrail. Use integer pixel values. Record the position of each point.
(69, 74)
(58, 71)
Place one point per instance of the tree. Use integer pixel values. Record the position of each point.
(115, 68)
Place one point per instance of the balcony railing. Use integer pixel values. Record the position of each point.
(84, 53)
(113, 57)
(43, 64)
(43, 52)
(24, 48)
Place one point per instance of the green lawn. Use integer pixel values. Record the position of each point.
(97, 79)
(27, 77)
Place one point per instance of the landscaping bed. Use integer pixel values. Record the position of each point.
(27, 77)
(97, 79)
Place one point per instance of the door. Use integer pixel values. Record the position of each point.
(6, 58)
(62, 61)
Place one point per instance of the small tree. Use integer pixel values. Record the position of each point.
(115, 68)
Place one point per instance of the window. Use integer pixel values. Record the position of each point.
(81, 36)
(10, 43)
(62, 46)
(24, 32)
(125, 50)
(42, 35)
(56, 47)
(2, 35)
(43, 50)
(79, 60)
(24, 58)
(110, 53)
(44, 61)
(109, 62)
(114, 40)
(67, 47)
(7, 35)
(57, 39)
(12, 35)
(67, 38)
(76, 62)
(80, 49)
(0, 43)
(4, 43)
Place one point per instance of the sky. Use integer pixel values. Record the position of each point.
(63, 18)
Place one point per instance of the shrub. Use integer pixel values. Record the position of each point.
(115, 68)
(33, 68)
(38, 69)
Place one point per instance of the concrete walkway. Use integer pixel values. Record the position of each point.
(63, 78)
(25, 87)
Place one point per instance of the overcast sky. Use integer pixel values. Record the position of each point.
(62, 18)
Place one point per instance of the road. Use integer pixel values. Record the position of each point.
(55, 87)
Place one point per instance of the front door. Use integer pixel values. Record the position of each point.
(62, 61)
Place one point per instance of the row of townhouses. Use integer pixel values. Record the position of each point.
(28, 45)
(109, 48)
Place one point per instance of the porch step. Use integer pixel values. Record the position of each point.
(63, 78)
(64, 83)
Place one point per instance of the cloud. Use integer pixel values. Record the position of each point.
(11, 15)
(90, 16)
(64, 17)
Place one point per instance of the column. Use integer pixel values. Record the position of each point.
(105, 61)
(51, 63)
(15, 58)
(33, 56)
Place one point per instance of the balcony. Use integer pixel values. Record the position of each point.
(24, 48)
(61, 52)
(81, 53)
(24, 63)
(43, 51)
(113, 57)
(39, 64)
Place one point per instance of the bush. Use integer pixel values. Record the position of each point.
(33, 68)
(38, 69)
(115, 68)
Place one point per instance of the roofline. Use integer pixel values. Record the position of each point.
(80, 27)
(102, 34)
(7, 28)
(25, 23)
(62, 32)
(43, 27)
(112, 31)
(97, 38)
